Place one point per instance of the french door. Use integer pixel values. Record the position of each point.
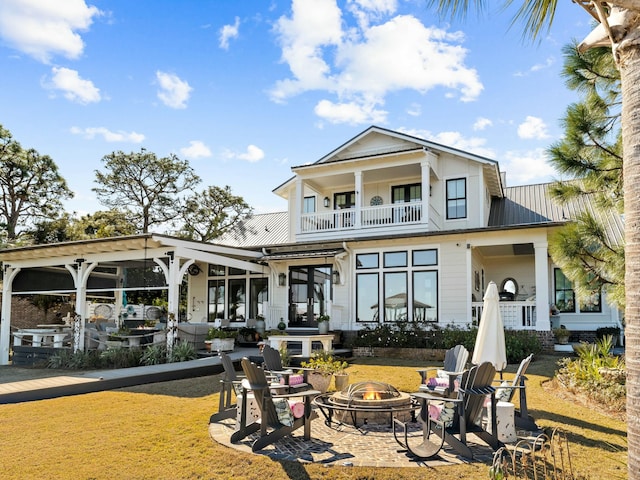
(309, 293)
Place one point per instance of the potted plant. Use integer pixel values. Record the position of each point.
(562, 335)
(322, 366)
(248, 334)
(220, 340)
(323, 324)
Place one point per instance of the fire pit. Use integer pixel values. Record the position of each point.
(367, 402)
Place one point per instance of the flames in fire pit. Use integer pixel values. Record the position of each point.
(371, 402)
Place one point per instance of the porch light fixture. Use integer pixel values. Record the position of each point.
(327, 202)
(336, 277)
(282, 279)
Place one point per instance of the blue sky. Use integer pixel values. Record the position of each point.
(246, 89)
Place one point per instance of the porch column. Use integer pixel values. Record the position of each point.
(297, 205)
(5, 322)
(425, 166)
(542, 287)
(80, 273)
(173, 300)
(469, 282)
(358, 213)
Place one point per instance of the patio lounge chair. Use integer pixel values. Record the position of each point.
(273, 365)
(278, 417)
(441, 382)
(230, 384)
(506, 392)
(449, 420)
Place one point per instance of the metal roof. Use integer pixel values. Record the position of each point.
(258, 231)
(532, 204)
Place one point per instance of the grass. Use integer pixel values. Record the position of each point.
(159, 431)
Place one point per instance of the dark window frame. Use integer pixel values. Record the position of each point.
(456, 199)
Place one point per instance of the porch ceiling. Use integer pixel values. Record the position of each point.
(507, 250)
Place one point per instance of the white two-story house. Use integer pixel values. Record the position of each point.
(385, 228)
(390, 227)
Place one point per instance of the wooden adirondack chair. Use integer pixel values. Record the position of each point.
(506, 392)
(273, 365)
(277, 418)
(230, 383)
(441, 382)
(456, 418)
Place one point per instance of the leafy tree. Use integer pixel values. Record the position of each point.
(102, 224)
(619, 28)
(209, 214)
(590, 151)
(52, 231)
(146, 187)
(30, 185)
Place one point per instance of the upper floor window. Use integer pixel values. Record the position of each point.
(309, 205)
(456, 198)
(344, 200)
(406, 193)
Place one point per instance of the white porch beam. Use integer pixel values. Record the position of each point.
(542, 286)
(5, 322)
(220, 260)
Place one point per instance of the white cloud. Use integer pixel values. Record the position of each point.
(42, 29)
(362, 65)
(351, 112)
(528, 167)
(107, 135)
(252, 155)
(73, 87)
(173, 92)
(415, 110)
(537, 67)
(196, 149)
(228, 32)
(533, 128)
(475, 145)
(481, 123)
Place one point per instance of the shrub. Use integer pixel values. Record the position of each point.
(596, 373)
(182, 352)
(521, 343)
(121, 357)
(154, 355)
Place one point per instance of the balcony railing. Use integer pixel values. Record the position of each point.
(515, 315)
(370, 217)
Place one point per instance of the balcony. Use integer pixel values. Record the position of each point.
(379, 216)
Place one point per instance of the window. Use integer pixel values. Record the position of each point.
(309, 205)
(367, 260)
(344, 200)
(216, 299)
(258, 296)
(425, 296)
(395, 259)
(216, 270)
(564, 296)
(406, 193)
(237, 299)
(396, 291)
(456, 198)
(424, 257)
(367, 297)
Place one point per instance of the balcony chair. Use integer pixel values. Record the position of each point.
(279, 414)
(448, 420)
(442, 382)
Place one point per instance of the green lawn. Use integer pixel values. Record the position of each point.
(159, 431)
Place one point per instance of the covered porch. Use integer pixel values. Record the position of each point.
(97, 268)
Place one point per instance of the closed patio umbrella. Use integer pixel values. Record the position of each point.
(490, 344)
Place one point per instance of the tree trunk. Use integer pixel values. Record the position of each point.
(630, 79)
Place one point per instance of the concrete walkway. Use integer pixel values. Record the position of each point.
(95, 381)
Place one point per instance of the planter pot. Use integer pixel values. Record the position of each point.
(319, 381)
(563, 340)
(222, 344)
(323, 328)
(341, 381)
